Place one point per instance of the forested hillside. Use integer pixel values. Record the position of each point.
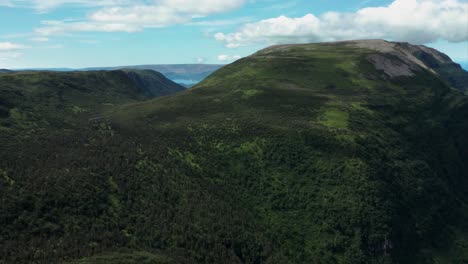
(350, 152)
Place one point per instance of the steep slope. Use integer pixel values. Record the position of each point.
(351, 152)
(451, 72)
(152, 83)
(184, 74)
(425, 57)
(53, 97)
(187, 74)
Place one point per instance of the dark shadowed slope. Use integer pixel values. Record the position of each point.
(4, 71)
(43, 99)
(351, 152)
(152, 83)
(188, 74)
(449, 71)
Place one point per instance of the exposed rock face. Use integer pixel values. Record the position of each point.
(403, 51)
(415, 58)
(392, 68)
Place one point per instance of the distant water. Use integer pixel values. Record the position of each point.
(186, 82)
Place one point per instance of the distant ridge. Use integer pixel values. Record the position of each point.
(185, 74)
(175, 68)
(4, 71)
(53, 99)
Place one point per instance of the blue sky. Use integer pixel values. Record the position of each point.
(88, 33)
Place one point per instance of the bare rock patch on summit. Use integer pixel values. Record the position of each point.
(392, 68)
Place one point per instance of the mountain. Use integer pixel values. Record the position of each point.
(185, 74)
(347, 152)
(4, 71)
(32, 100)
(449, 71)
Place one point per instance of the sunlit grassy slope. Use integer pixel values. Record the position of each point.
(297, 154)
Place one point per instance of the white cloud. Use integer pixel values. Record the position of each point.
(199, 60)
(6, 3)
(226, 58)
(140, 15)
(221, 22)
(202, 7)
(223, 57)
(60, 27)
(9, 51)
(417, 21)
(7, 56)
(184, 6)
(8, 46)
(46, 5)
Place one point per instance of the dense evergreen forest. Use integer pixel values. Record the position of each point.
(350, 152)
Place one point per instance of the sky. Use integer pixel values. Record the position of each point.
(95, 33)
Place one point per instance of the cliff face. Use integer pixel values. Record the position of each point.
(416, 56)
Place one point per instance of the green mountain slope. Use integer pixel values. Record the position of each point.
(351, 152)
(185, 72)
(33, 100)
(449, 71)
